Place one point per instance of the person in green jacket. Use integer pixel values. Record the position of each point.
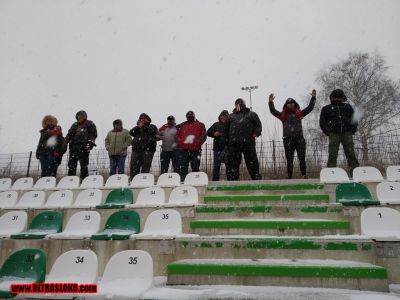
(117, 142)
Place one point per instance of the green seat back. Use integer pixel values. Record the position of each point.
(48, 220)
(353, 194)
(123, 220)
(120, 196)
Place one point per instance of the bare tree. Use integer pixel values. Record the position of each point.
(375, 96)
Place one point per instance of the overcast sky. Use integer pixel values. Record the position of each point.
(117, 59)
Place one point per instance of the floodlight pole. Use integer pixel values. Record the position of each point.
(250, 89)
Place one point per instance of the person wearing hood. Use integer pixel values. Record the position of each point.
(293, 138)
(167, 134)
(244, 127)
(191, 136)
(81, 138)
(144, 145)
(219, 132)
(337, 122)
(117, 142)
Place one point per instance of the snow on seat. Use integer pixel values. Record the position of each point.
(392, 173)
(5, 184)
(184, 195)
(44, 223)
(196, 179)
(367, 174)
(13, 222)
(92, 182)
(127, 275)
(31, 199)
(151, 196)
(169, 180)
(119, 226)
(62, 198)
(333, 175)
(117, 181)
(24, 183)
(354, 194)
(45, 183)
(118, 198)
(388, 192)
(162, 224)
(81, 225)
(68, 182)
(8, 199)
(381, 223)
(142, 180)
(88, 198)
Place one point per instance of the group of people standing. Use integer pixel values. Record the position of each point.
(234, 135)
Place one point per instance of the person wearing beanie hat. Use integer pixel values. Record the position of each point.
(144, 143)
(219, 132)
(337, 122)
(81, 138)
(293, 138)
(167, 134)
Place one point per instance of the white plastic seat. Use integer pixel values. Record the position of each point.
(367, 174)
(92, 182)
(45, 183)
(151, 196)
(169, 180)
(13, 222)
(381, 223)
(185, 195)
(5, 184)
(142, 180)
(62, 198)
(68, 182)
(8, 199)
(24, 183)
(82, 224)
(196, 179)
(88, 198)
(31, 199)
(388, 192)
(392, 173)
(333, 175)
(128, 274)
(117, 181)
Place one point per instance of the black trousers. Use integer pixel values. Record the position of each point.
(78, 156)
(141, 162)
(235, 158)
(291, 145)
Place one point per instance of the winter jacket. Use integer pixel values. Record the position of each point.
(145, 138)
(81, 135)
(337, 117)
(168, 133)
(291, 120)
(220, 141)
(191, 135)
(243, 125)
(117, 142)
(50, 141)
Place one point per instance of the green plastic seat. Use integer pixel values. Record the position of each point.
(354, 194)
(120, 226)
(118, 198)
(22, 267)
(43, 224)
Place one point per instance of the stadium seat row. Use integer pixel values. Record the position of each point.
(121, 225)
(360, 174)
(91, 198)
(353, 193)
(97, 181)
(128, 273)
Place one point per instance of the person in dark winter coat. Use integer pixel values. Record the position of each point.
(49, 150)
(244, 127)
(167, 134)
(337, 122)
(219, 131)
(293, 139)
(81, 138)
(144, 145)
(191, 136)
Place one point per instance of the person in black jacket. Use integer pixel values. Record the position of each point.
(219, 132)
(337, 122)
(293, 139)
(144, 145)
(244, 127)
(81, 138)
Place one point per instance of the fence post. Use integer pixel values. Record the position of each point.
(206, 159)
(274, 156)
(11, 160)
(29, 164)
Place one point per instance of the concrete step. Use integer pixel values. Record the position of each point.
(273, 186)
(281, 199)
(305, 273)
(284, 226)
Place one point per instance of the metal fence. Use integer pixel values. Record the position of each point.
(383, 151)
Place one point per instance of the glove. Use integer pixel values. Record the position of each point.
(90, 145)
